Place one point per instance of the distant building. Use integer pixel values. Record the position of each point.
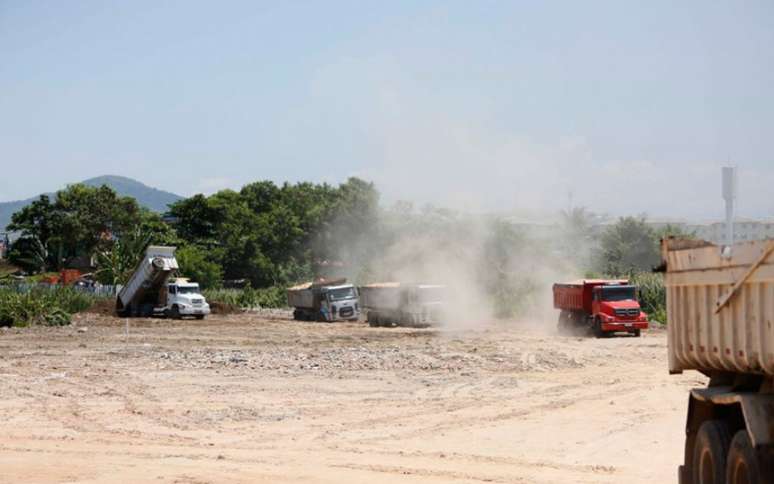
(744, 230)
(715, 231)
(712, 231)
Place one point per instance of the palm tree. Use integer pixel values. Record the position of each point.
(577, 222)
(116, 264)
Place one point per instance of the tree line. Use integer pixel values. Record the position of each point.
(263, 234)
(269, 236)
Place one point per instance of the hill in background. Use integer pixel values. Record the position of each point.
(149, 197)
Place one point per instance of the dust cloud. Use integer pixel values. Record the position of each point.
(492, 269)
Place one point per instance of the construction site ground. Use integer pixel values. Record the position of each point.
(257, 398)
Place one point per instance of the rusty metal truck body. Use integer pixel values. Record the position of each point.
(720, 312)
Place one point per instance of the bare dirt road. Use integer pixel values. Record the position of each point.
(250, 399)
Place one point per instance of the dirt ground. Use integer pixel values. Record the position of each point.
(244, 398)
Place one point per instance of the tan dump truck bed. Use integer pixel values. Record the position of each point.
(381, 295)
(303, 295)
(720, 309)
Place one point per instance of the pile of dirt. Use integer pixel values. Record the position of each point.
(224, 308)
(106, 307)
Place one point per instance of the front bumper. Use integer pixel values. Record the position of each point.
(624, 326)
(194, 310)
(347, 316)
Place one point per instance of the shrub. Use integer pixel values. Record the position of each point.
(270, 297)
(652, 294)
(41, 305)
(195, 264)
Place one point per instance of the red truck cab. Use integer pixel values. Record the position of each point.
(617, 309)
(606, 306)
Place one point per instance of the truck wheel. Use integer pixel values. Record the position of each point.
(742, 466)
(199, 316)
(597, 328)
(709, 453)
(637, 333)
(565, 324)
(175, 312)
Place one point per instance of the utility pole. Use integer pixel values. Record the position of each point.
(729, 195)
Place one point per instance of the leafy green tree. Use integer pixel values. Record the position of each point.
(627, 247)
(576, 240)
(29, 254)
(77, 222)
(576, 222)
(196, 219)
(158, 231)
(273, 234)
(195, 264)
(496, 269)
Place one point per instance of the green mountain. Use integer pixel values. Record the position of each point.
(152, 198)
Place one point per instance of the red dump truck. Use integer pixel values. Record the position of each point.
(603, 305)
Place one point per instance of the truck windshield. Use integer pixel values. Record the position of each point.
(341, 293)
(188, 289)
(618, 293)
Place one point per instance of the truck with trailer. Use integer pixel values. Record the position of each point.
(605, 306)
(720, 313)
(398, 304)
(152, 289)
(324, 300)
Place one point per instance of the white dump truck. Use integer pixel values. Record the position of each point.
(720, 312)
(153, 290)
(400, 304)
(324, 300)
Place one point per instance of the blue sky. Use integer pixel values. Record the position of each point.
(631, 106)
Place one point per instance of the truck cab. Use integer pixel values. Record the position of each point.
(339, 302)
(184, 298)
(616, 309)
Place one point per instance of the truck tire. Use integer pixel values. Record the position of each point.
(742, 465)
(597, 328)
(175, 312)
(709, 453)
(199, 316)
(373, 319)
(637, 333)
(563, 325)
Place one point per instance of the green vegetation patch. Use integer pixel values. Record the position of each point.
(44, 306)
